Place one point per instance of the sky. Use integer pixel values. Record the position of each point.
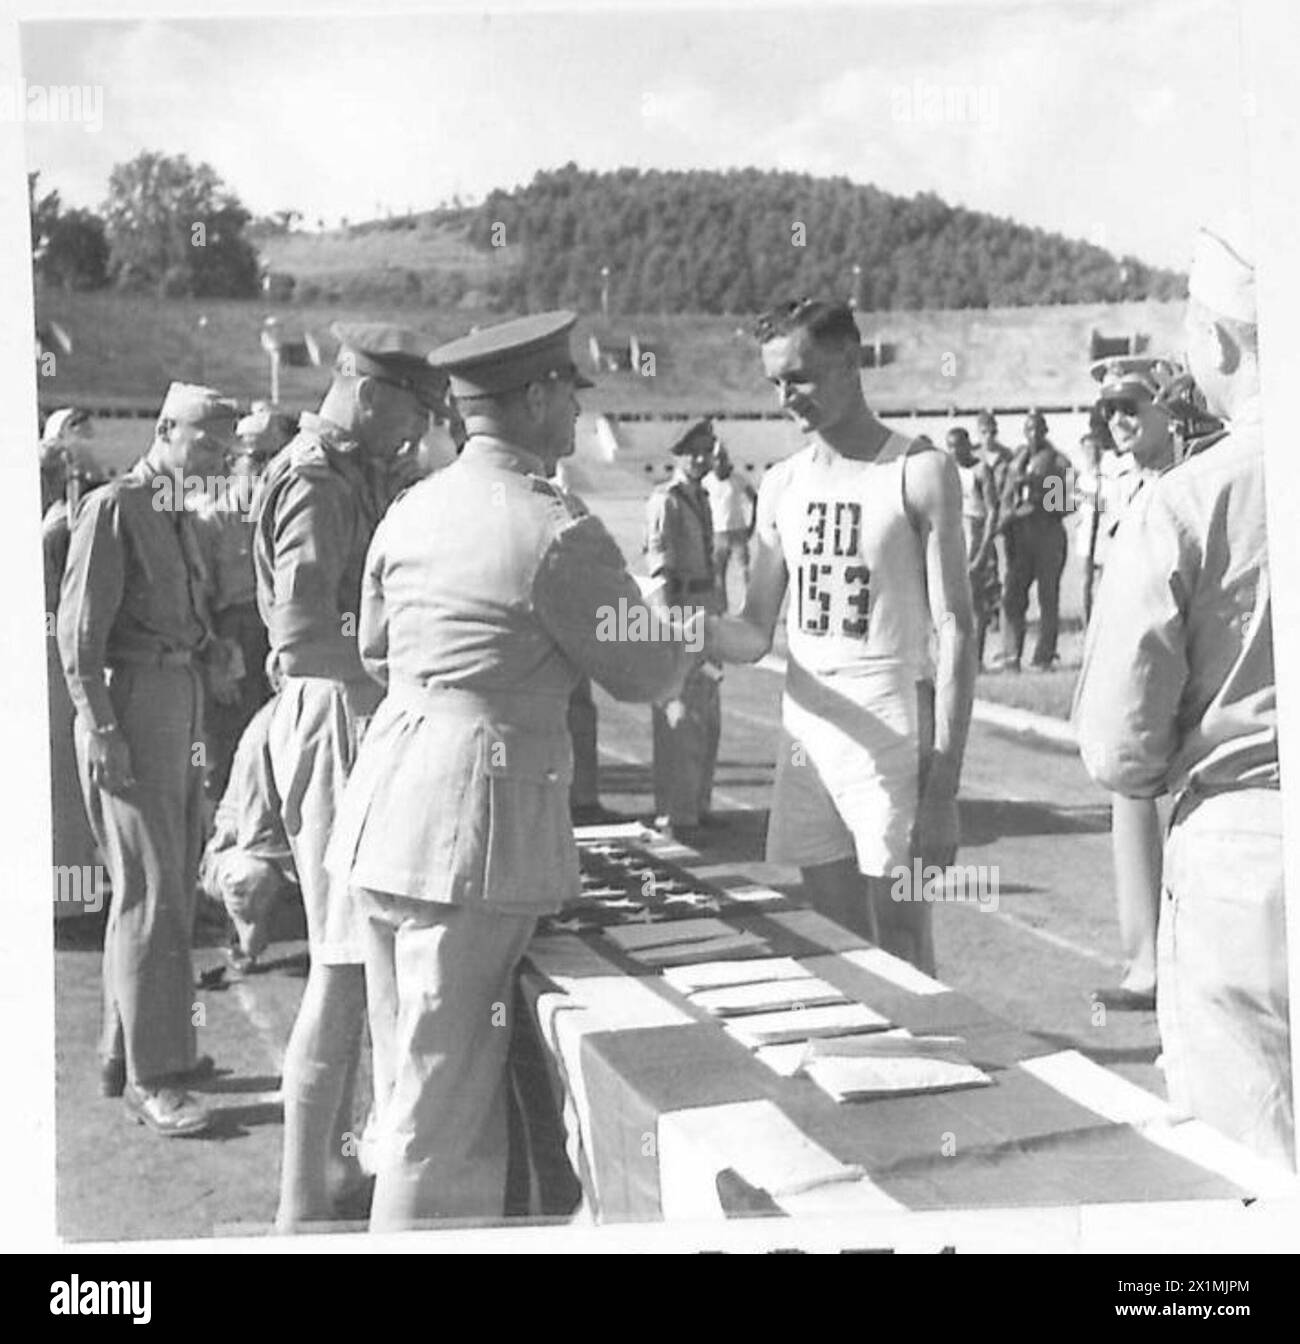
(1111, 122)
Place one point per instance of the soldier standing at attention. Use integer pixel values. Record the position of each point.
(1035, 500)
(316, 509)
(864, 528)
(1178, 696)
(455, 823)
(679, 552)
(132, 625)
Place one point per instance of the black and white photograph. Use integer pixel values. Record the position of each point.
(657, 624)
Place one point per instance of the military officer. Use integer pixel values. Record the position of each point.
(679, 553)
(455, 824)
(131, 626)
(315, 511)
(1178, 696)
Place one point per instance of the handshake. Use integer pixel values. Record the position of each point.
(687, 626)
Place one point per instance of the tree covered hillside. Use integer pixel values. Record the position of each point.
(732, 242)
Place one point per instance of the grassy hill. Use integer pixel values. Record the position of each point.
(126, 349)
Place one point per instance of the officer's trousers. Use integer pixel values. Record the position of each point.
(1222, 980)
(440, 993)
(1036, 551)
(74, 844)
(312, 741)
(150, 836)
(585, 788)
(686, 753)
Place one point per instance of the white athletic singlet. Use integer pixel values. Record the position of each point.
(859, 627)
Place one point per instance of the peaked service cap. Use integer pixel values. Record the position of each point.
(697, 431)
(1134, 376)
(510, 355)
(390, 353)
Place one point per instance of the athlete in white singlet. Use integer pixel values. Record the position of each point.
(863, 528)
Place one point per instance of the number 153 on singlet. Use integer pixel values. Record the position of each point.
(832, 592)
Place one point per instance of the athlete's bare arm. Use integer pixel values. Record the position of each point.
(932, 495)
(748, 637)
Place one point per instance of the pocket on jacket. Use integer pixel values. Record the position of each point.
(530, 859)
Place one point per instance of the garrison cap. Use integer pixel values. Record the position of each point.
(698, 431)
(1140, 376)
(510, 355)
(390, 353)
(1223, 270)
(63, 421)
(189, 404)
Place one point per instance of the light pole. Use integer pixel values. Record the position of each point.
(855, 299)
(604, 292)
(271, 344)
(203, 347)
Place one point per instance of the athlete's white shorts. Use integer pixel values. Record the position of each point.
(847, 768)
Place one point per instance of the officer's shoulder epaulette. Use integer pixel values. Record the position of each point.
(561, 503)
(309, 457)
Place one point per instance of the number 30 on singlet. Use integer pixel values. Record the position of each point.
(840, 583)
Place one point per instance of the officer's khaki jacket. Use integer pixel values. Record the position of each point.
(314, 513)
(1177, 688)
(485, 593)
(679, 539)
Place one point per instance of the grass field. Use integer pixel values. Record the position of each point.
(126, 349)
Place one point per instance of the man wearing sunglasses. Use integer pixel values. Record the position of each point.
(316, 508)
(1142, 431)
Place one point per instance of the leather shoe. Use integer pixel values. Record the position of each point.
(112, 1074)
(112, 1077)
(168, 1111)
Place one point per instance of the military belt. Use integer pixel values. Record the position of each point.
(521, 708)
(150, 658)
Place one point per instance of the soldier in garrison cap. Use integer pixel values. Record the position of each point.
(1142, 431)
(316, 508)
(1177, 696)
(679, 553)
(455, 826)
(133, 626)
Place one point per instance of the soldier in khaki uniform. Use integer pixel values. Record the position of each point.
(132, 624)
(1178, 696)
(679, 552)
(316, 509)
(455, 824)
(225, 533)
